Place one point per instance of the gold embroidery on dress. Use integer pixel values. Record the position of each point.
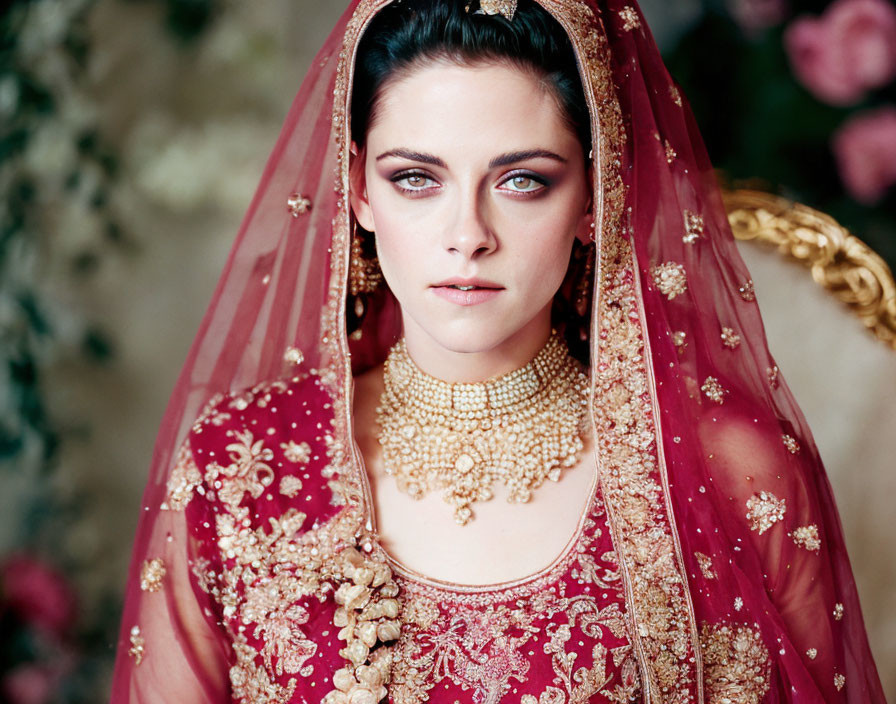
(630, 19)
(730, 338)
(290, 485)
(838, 611)
(693, 227)
(807, 537)
(713, 390)
(248, 471)
(297, 452)
(839, 681)
(182, 481)
(294, 356)
(670, 279)
(790, 443)
(764, 510)
(736, 664)
(138, 645)
(151, 575)
(705, 563)
(298, 204)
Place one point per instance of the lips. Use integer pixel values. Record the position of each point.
(471, 284)
(467, 292)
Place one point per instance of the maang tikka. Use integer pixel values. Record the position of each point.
(497, 7)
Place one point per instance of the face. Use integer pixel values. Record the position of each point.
(475, 188)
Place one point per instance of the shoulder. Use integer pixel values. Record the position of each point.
(263, 451)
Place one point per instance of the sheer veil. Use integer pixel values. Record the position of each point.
(737, 581)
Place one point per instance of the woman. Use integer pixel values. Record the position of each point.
(522, 286)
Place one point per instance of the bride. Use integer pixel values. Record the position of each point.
(482, 409)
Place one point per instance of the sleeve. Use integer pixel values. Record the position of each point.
(171, 646)
(785, 518)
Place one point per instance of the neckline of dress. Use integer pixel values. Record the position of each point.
(367, 508)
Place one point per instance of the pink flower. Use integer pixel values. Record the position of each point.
(38, 594)
(845, 52)
(865, 149)
(29, 684)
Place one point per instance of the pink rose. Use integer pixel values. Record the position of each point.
(38, 594)
(848, 50)
(865, 148)
(29, 684)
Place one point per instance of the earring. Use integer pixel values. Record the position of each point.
(584, 285)
(364, 275)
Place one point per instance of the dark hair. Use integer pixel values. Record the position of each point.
(410, 32)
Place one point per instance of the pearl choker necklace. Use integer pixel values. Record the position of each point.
(522, 428)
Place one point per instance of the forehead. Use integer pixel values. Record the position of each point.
(485, 107)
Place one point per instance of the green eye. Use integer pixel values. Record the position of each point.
(523, 183)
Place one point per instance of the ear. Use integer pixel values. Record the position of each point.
(585, 232)
(357, 192)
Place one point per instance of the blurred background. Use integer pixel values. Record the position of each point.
(132, 134)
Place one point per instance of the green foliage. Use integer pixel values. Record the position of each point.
(762, 127)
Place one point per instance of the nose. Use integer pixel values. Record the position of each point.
(470, 232)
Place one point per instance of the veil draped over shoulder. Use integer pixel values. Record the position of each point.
(736, 578)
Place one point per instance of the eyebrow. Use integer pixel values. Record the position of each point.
(501, 160)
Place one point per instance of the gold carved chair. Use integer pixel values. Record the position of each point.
(821, 291)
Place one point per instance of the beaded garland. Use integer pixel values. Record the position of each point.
(522, 428)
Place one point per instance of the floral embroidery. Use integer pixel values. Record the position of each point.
(705, 563)
(151, 575)
(839, 681)
(293, 355)
(298, 204)
(838, 611)
(183, 480)
(714, 390)
(738, 603)
(675, 95)
(248, 471)
(211, 414)
(790, 443)
(693, 226)
(730, 338)
(138, 645)
(670, 279)
(290, 485)
(679, 338)
(772, 374)
(670, 153)
(807, 537)
(736, 664)
(812, 653)
(299, 452)
(764, 510)
(630, 19)
(747, 291)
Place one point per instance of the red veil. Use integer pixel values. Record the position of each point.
(736, 576)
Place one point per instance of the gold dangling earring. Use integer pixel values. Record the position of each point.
(364, 275)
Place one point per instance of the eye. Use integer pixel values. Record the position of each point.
(412, 181)
(525, 183)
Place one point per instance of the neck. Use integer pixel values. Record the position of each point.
(468, 363)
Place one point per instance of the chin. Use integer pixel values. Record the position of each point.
(474, 334)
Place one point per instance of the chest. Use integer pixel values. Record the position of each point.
(504, 541)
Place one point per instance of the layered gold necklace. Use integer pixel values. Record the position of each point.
(522, 428)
